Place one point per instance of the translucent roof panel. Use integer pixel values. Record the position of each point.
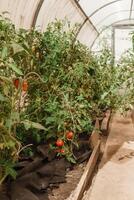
(106, 12)
(112, 13)
(89, 6)
(21, 12)
(87, 34)
(111, 19)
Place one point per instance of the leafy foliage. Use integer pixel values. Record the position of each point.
(66, 88)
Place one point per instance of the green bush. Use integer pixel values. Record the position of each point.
(50, 84)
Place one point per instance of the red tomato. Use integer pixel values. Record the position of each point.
(24, 86)
(59, 150)
(16, 83)
(69, 135)
(62, 151)
(59, 143)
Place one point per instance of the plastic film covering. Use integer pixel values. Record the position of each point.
(61, 9)
(132, 14)
(87, 35)
(21, 12)
(112, 13)
(90, 6)
(104, 13)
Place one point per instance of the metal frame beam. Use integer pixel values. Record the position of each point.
(131, 9)
(36, 13)
(124, 26)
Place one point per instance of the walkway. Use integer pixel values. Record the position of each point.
(115, 178)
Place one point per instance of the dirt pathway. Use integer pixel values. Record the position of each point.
(115, 178)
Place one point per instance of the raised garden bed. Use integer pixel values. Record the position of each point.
(51, 87)
(39, 176)
(48, 177)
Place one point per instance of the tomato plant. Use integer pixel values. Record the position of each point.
(49, 85)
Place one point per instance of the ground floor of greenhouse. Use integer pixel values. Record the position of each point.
(115, 177)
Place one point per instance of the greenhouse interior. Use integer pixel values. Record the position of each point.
(66, 100)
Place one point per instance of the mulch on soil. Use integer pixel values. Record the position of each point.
(45, 176)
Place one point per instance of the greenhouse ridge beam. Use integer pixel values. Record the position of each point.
(124, 26)
(37, 13)
(131, 9)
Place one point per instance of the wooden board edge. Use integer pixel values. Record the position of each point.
(105, 123)
(87, 175)
(95, 136)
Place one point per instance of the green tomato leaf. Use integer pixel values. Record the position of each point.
(2, 98)
(15, 69)
(17, 48)
(8, 123)
(4, 52)
(10, 144)
(71, 159)
(104, 95)
(10, 171)
(28, 124)
(3, 78)
(15, 116)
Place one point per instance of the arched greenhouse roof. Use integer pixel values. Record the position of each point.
(94, 16)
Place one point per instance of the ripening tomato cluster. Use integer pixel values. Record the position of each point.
(60, 142)
(16, 83)
(69, 135)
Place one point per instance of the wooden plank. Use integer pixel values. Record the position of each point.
(132, 115)
(95, 136)
(87, 175)
(105, 123)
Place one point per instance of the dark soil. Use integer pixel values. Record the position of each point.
(46, 176)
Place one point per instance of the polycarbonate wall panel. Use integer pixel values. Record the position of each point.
(89, 6)
(116, 17)
(132, 15)
(21, 12)
(112, 19)
(114, 12)
(87, 34)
